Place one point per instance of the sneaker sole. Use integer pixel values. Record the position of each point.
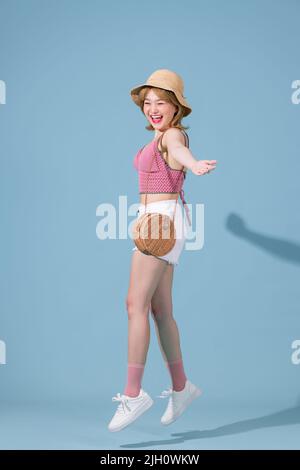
(136, 415)
(195, 394)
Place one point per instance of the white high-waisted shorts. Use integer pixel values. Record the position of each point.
(167, 206)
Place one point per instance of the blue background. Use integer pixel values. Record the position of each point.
(69, 133)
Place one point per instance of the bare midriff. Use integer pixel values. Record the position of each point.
(157, 197)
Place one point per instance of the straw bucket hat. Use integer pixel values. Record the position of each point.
(167, 80)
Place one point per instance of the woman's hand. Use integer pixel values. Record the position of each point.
(202, 167)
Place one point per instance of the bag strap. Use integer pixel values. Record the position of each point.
(182, 171)
(154, 154)
(186, 138)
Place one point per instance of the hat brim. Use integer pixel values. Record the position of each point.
(134, 92)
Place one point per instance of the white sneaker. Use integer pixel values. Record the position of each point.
(129, 409)
(178, 401)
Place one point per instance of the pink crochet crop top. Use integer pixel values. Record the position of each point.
(160, 178)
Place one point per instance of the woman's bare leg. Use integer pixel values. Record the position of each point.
(145, 275)
(162, 314)
(166, 328)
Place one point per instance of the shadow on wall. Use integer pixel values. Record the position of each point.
(286, 250)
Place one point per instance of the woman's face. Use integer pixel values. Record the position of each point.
(160, 108)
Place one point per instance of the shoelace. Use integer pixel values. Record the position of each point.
(165, 393)
(123, 401)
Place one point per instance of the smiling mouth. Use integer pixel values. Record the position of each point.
(156, 120)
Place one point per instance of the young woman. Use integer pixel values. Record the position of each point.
(150, 287)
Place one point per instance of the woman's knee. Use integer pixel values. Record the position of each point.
(136, 306)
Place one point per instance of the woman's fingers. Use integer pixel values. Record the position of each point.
(204, 166)
(210, 168)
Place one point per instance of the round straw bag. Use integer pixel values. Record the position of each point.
(154, 233)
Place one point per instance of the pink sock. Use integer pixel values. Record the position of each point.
(177, 374)
(134, 379)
